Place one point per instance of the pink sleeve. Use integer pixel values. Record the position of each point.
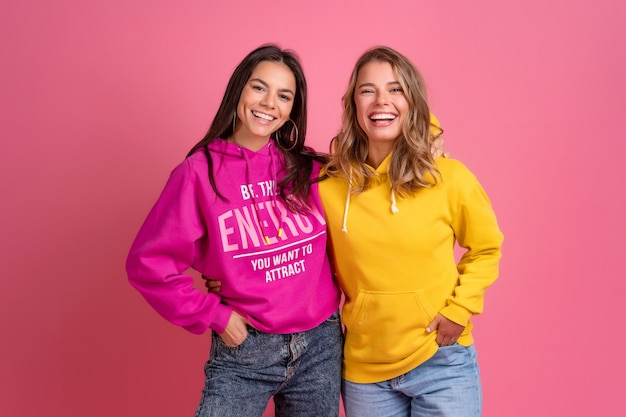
(164, 250)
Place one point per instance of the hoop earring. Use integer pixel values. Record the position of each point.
(234, 120)
(294, 141)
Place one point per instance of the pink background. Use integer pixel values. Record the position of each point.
(100, 99)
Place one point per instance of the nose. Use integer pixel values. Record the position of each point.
(268, 100)
(382, 98)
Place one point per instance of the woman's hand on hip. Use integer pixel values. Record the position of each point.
(236, 331)
(447, 330)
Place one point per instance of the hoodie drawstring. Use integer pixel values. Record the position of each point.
(394, 207)
(344, 225)
(277, 213)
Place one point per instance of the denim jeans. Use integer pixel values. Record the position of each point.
(446, 385)
(301, 370)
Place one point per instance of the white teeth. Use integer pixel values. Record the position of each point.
(383, 116)
(263, 116)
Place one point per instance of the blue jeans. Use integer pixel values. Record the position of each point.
(446, 385)
(301, 370)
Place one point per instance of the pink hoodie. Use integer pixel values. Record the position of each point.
(280, 281)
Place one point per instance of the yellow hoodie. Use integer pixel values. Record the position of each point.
(398, 270)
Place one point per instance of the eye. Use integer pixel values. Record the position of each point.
(285, 97)
(258, 87)
(396, 90)
(367, 91)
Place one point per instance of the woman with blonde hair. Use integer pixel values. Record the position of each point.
(394, 214)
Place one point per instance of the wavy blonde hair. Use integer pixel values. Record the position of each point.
(412, 164)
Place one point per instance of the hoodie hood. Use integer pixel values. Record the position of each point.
(383, 172)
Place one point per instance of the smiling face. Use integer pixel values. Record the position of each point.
(264, 105)
(381, 106)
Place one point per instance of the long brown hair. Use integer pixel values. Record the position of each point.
(294, 186)
(412, 165)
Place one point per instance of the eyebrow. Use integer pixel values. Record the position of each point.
(283, 90)
(372, 84)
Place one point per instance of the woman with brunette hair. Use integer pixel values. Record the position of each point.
(241, 209)
(394, 214)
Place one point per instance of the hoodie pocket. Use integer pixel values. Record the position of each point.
(387, 327)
